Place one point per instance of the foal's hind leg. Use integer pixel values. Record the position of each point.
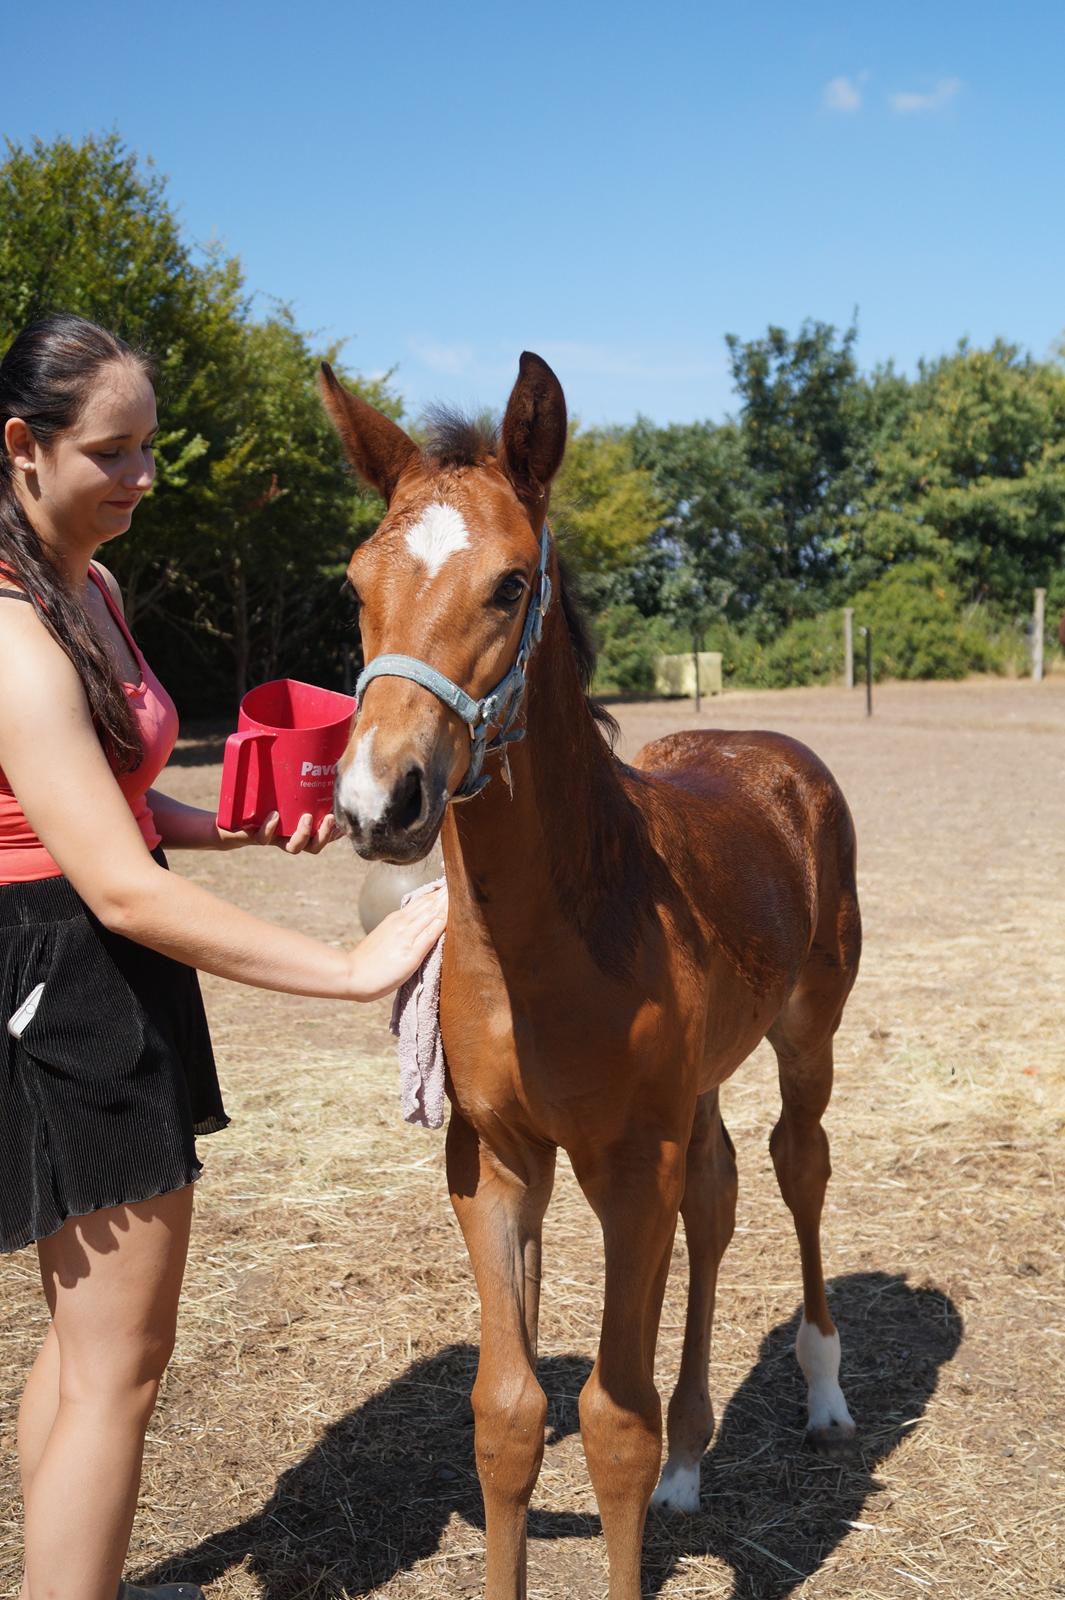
(802, 1039)
(709, 1212)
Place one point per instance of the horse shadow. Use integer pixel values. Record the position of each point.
(770, 1507)
(374, 1496)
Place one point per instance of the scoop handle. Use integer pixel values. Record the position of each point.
(235, 777)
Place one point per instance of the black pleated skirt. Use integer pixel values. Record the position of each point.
(104, 1091)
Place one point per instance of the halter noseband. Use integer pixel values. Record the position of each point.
(500, 706)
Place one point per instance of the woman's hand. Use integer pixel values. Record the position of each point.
(305, 840)
(397, 946)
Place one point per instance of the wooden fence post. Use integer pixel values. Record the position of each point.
(868, 632)
(848, 646)
(1038, 631)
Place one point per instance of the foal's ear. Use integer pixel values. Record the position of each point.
(377, 447)
(534, 433)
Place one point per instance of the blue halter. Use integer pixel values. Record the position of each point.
(499, 707)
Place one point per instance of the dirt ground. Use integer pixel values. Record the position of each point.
(314, 1438)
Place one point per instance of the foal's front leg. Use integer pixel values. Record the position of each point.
(635, 1190)
(500, 1209)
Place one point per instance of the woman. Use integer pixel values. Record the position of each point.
(106, 1070)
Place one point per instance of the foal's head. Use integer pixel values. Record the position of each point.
(447, 579)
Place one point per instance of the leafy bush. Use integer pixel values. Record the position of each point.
(809, 651)
(920, 627)
(741, 653)
(1001, 644)
(627, 643)
(1055, 612)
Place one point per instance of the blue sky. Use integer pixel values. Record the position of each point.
(614, 186)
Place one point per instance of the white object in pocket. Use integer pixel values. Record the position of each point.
(20, 1020)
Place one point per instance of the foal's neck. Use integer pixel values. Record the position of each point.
(553, 853)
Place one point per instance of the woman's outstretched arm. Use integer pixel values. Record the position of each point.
(185, 827)
(55, 765)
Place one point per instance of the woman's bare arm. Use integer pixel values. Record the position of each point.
(185, 827)
(53, 761)
(181, 826)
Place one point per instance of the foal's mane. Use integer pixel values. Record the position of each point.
(454, 439)
(458, 439)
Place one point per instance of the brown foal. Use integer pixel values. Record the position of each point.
(619, 940)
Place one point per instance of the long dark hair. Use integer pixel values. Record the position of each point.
(45, 379)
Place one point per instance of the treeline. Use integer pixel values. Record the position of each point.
(233, 569)
(934, 505)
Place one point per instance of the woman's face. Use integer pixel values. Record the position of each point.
(86, 486)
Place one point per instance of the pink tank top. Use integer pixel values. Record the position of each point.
(23, 858)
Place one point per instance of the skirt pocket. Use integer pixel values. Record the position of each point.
(89, 1023)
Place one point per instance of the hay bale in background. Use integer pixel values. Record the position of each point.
(675, 675)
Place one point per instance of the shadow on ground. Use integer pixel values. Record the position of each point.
(375, 1495)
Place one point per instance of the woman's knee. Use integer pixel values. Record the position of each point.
(124, 1367)
(115, 1280)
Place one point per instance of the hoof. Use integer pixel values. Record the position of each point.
(830, 1427)
(832, 1438)
(678, 1489)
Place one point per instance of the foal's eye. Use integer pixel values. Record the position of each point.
(510, 591)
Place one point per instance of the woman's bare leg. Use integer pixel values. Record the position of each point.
(112, 1280)
(37, 1413)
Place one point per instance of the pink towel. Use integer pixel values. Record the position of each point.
(416, 1024)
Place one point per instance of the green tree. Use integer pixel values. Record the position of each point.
(759, 509)
(971, 472)
(697, 469)
(277, 519)
(604, 504)
(232, 570)
(802, 450)
(84, 229)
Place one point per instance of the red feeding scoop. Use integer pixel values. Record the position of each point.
(283, 756)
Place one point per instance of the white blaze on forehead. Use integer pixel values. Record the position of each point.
(361, 794)
(437, 534)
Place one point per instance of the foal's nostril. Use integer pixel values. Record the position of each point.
(406, 806)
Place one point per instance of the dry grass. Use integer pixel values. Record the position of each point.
(314, 1438)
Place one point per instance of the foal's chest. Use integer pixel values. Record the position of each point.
(545, 1060)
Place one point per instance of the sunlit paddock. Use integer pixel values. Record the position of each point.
(315, 1436)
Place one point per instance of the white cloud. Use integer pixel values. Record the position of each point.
(844, 94)
(455, 360)
(604, 382)
(650, 364)
(492, 365)
(935, 100)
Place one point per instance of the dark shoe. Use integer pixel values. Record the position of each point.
(161, 1591)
